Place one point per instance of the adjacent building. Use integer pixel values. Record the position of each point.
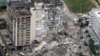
(95, 20)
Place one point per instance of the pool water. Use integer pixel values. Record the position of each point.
(97, 47)
(2, 2)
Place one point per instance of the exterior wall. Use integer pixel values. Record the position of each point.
(23, 32)
(38, 29)
(21, 28)
(33, 24)
(95, 23)
(25, 28)
(9, 21)
(14, 31)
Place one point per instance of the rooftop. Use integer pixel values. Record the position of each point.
(96, 11)
(20, 8)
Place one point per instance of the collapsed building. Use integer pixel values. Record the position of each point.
(41, 25)
(33, 20)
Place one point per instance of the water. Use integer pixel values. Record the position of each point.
(2, 2)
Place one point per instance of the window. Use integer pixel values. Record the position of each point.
(22, 21)
(27, 42)
(28, 30)
(27, 34)
(21, 35)
(23, 18)
(18, 25)
(17, 42)
(28, 20)
(27, 17)
(28, 25)
(18, 36)
(18, 21)
(22, 25)
(28, 39)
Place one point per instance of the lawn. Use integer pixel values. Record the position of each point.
(78, 6)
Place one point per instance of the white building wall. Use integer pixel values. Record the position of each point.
(16, 33)
(33, 25)
(37, 24)
(95, 22)
(14, 28)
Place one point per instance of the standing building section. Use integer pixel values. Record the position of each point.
(33, 20)
(38, 22)
(26, 21)
(20, 19)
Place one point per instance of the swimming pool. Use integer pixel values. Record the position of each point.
(2, 2)
(97, 47)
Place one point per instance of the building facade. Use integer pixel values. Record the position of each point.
(95, 20)
(20, 23)
(26, 22)
(33, 21)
